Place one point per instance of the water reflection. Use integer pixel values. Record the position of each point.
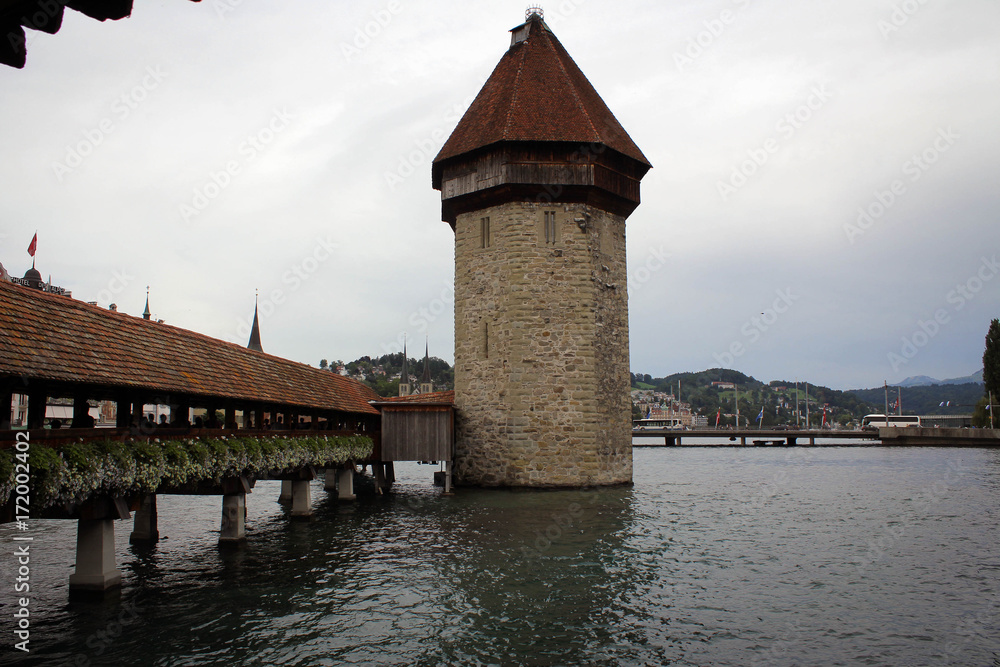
(714, 557)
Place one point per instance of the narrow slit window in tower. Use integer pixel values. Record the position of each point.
(550, 227)
(484, 232)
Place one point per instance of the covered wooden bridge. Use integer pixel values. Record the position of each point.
(264, 417)
(419, 427)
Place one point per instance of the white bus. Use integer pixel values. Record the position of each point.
(660, 423)
(895, 421)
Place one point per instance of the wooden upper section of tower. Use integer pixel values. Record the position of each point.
(538, 128)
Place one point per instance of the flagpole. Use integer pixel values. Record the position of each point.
(886, 385)
(808, 425)
(736, 393)
(798, 423)
(991, 409)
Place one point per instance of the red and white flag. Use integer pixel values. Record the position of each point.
(34, 244)
(718, 415)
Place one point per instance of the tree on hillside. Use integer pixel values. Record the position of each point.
(991, 359)
(980, 417)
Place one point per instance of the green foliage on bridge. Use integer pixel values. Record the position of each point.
(72, 473)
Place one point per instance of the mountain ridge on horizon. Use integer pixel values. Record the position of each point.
(912, 381)
(926, 381)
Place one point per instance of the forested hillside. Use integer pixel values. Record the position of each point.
(777, 399)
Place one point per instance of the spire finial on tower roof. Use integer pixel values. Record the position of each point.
(146, 313)
(534, 12)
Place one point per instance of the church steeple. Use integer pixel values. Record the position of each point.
(254, 343)
(426, 384)
(404, 377)
(146, 314)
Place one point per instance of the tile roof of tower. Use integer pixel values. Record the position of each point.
(538, 93)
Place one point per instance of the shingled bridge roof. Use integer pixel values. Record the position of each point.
(56, 338)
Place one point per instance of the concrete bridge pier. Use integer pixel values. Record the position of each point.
(301, 498)
(144, 529)
(346, 484)
(95, 557)
(286, 491)
(234, 511)
(330, 479)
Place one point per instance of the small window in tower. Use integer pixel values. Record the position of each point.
(551, 230)
(484, 233)
(486, 340)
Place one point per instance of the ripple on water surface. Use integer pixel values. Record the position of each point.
(800, 556)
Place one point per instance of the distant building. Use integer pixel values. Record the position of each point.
(426, 385)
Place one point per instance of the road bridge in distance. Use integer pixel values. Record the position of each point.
(760, 437)
(903, 437)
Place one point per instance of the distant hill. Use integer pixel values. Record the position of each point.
(927, 400)
(378, 372)
(925, 381)
(776, 398)
(918, 381)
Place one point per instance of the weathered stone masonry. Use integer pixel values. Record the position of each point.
(541, 341)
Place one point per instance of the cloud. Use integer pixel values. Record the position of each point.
(356, 119)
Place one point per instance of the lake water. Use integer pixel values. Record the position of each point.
(716, 556)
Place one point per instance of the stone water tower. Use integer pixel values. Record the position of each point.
(537, 180)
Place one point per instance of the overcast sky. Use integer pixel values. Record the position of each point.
(209, 150)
